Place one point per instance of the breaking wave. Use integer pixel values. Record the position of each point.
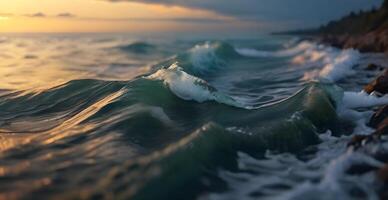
(173, 133)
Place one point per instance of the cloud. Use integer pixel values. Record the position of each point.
(43, 15)
(305, 11)
(38, 15)
(66, 15)
(6, 14)
(181, 20)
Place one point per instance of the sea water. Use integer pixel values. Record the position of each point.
(102, 116)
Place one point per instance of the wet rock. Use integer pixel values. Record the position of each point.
(382, 128)
(378, 117)
(357, 141)
(372, 67)
(373, 41)
(379, 85)
(381, 156)
(382, 176)
(360, 169)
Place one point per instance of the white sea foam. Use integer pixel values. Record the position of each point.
(303, 46)
(336, 64)
(329, 166)
(340, 65)
(189, 87)
(330, 187)
(253, 52)
(355, 100)
(317, 54)
(363, 100)
(325, 175)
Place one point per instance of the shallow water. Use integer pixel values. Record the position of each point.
(116, 116)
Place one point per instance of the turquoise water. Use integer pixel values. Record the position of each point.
(123, 117)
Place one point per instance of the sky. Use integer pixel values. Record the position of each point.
(171, 15)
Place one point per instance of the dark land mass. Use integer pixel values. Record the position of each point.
(366, 31)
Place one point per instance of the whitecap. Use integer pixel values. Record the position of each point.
(363, 100)
(340, 65)
(189, 87)
(303, 46)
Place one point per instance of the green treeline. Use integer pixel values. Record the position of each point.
(360, 22)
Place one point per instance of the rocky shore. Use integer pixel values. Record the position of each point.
(375, 144)
(374, 41)
(366, 31)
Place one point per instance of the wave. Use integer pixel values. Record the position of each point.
(286, 126)
(172, 127)
(189, 87)
(326, 175)
(363, 100)
(340, 65)
(337, 64)
(65, 100)
(302, 46)
(165, 130)
(206, 56)
(203, 59)
(138, 47)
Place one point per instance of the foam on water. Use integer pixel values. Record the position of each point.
(285, 177)
(320, 172)
(336, 63)
(189, 87)
(325, 176)
(363, 100)
(355, 100)
(330, 187)
(339, 65)
(303, 46)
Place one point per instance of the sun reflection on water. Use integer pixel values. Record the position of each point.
(40, 63)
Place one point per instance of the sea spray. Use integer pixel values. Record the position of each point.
(189, 87)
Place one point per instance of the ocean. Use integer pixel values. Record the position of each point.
(115, 116)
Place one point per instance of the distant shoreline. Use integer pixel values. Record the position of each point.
(365, 31)
(373, 42)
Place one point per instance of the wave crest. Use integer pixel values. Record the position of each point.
(189, 87)
(303, 46)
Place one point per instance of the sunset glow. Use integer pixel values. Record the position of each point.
(100, 16)
(193, 99)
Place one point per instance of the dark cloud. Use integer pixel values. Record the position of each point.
(306, 12)
(38, 14)
(66, 15)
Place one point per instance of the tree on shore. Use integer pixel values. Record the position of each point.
(361, 22)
